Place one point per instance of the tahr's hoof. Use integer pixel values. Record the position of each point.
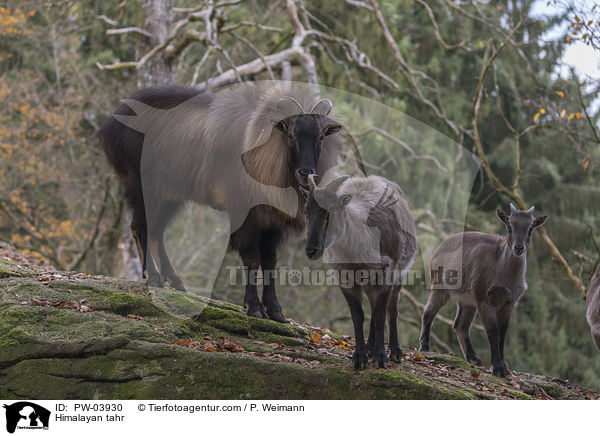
(370, 350)
(424, 347)
(359, 360)
(475, 360)
(500, 371)
(396, 355)
(380, 358)
(155, 282)
(276, 316)
(255, 313)
(176, 283)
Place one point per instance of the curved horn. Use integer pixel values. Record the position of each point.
(311, 178)
(335, 184)
(287, 97)
(513, 209)
(359, 160)
(327, 106)
(531, 209)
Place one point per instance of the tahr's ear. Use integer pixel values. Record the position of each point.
(502, 217)
(345, 200)
(280, 125)
(303, 192)
(331, 129)
(539, 221)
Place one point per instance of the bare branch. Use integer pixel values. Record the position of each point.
(107, 20)
(130, 30)
(250, 24)
(116, 66)
(257, 52)
(438, 35)
(436, 338)
(359, 4)
(199, 66)
(405, 146)
(408, 73)
(416, 303)
(587, 115)
(256, 66)
(92, 240)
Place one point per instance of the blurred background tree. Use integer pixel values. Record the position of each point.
(487, 75)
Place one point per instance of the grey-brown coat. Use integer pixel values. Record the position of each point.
(483, 273)
(245, 150)
(366, 225)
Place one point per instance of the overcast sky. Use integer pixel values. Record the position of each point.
(583, 58)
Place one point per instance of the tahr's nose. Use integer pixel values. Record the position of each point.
(519, 248)
(313, 253)
(303, 174)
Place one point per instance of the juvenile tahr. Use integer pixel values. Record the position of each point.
(483, 273)
(368, 228)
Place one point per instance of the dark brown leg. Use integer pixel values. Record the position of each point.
(462, 327)
(354, 298)
(251, 259)
(268, 261)
(379, 312)
(392, 314)
(437, 300)
(492, 328)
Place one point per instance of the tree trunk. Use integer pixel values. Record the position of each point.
(157, 20)
(158, 17)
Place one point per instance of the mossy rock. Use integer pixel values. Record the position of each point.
(8, 268)
(74, 336)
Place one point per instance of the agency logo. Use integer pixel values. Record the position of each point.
(26, 415)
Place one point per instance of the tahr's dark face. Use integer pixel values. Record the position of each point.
(304, 135)
(520, 226)
(318, 220)
(326, 218)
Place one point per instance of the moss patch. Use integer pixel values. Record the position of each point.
(123, 347)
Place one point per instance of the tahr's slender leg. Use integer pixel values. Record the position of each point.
(354, 299)
(437, 300)
(268, 261)
(462, 326)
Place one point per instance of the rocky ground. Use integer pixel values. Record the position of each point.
(79, 336)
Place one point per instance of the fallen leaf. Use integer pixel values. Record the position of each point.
(183, 342)
(315, 337)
